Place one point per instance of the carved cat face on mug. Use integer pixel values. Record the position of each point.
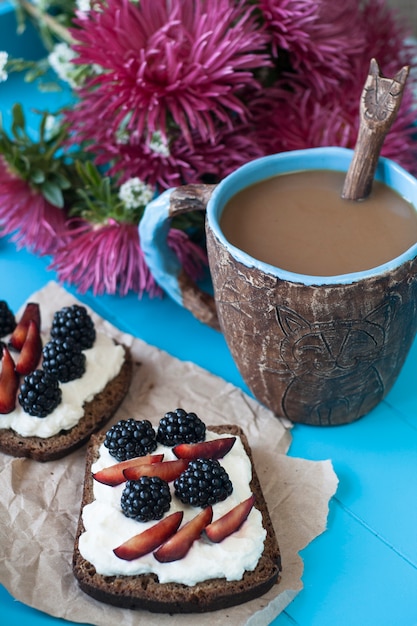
(339, 357)
(331, 349)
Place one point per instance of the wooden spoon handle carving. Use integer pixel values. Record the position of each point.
(379, 105)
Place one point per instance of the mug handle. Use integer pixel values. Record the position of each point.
(162, 261)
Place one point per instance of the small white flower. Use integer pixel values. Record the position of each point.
(122, 136)
(134, 193)
(3, 60)
(52, 126)
(60, 61)
(158, 145)
(83, 5)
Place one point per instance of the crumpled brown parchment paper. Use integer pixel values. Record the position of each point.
(40, 502)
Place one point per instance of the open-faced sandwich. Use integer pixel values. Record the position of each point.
(58, 386)
(173, 518)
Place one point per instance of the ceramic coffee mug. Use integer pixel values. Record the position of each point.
(317, 350)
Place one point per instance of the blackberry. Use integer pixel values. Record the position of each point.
(180, 427)
(145, 499)
(130, 438)
(7, 319)
(203, 483)
(39, 393)
(74, 321)
(63, 359)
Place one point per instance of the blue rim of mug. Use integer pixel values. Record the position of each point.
(333, 158)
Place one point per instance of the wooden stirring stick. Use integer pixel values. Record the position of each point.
(379, 104)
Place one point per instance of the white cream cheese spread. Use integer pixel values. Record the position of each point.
(103, 362)
(106, 527)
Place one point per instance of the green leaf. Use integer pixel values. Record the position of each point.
(18, 124)
(49, 87)
(93, 174)
(52, 193)
(20, 18)
(23, 163)
(59, 179)
(18, 115)
(37, 177)
(33, 74)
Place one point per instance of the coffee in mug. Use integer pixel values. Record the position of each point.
(300, 222)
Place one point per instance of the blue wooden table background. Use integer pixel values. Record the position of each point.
(363, 569)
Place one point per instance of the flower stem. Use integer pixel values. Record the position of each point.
(48, 20)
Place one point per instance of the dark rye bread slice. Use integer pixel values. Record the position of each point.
(145, 592)
(96, 413)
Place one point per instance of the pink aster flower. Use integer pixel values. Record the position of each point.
(211, 161)
(305, 113)
(306, 121)
(108, 258)
(387, 38)
(34, 222)
(130, 154)
(180, 163)
(321, 37)
(167, 60)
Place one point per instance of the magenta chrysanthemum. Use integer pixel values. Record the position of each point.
(205, 160)
(108, 258)
(321, 37)
(332, 121)
(167, 60)
(305, 112)
(24, 213)
(387, 38)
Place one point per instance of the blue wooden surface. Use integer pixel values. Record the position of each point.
(363, 569)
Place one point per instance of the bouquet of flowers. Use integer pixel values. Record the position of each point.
(173, 92)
